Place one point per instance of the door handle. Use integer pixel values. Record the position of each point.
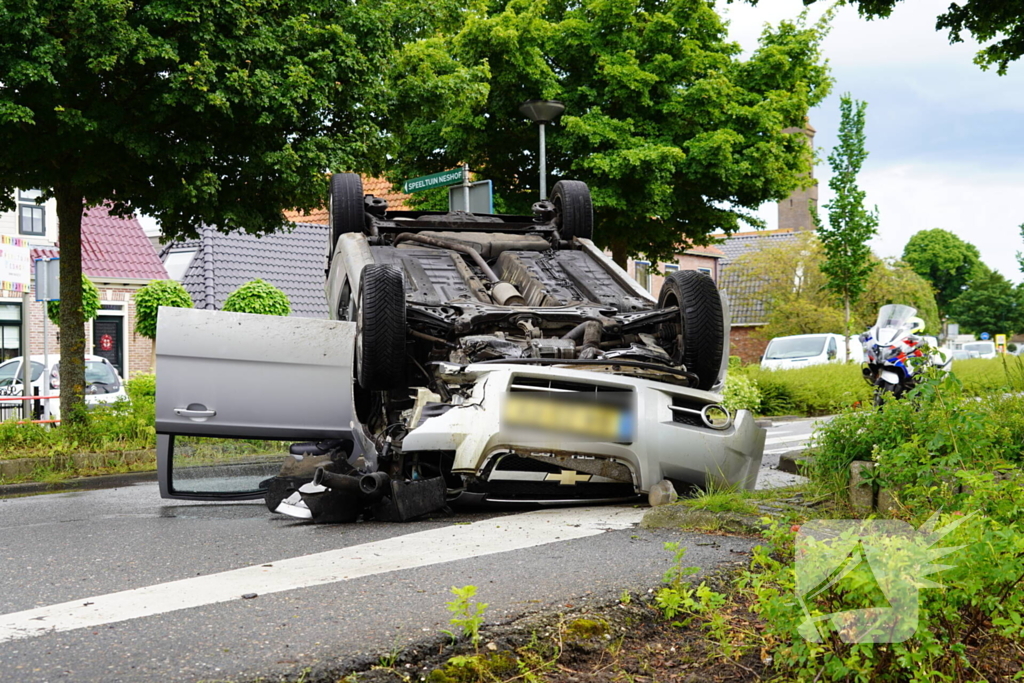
(194, 414)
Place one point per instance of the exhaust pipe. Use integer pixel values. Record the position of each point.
(369, 488)
(373, 487)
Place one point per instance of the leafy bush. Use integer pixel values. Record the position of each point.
(938, 449)
(122, 426)
(740, 393)
(90, 303)
(970, 629)
(257, 296)
(142, 385)
(937, 429)
(814, 390)
(150, 298)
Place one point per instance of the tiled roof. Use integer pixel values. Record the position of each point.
(378, 187)
(293, 262)
(746, 309)
(113, 248)
(710, 250)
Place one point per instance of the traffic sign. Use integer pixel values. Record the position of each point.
(427, 182)
(984, 336)
(481, 197)
(47, 279)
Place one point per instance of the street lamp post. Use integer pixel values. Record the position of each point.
(542, 112)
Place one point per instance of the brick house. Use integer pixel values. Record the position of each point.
(116, 256)
(651, 276)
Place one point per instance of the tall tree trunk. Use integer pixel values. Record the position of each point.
(846, 322)
(619, 252)
(72, 322)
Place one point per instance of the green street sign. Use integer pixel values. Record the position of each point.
(425, 182)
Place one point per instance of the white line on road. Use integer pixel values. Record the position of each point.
(420, 549)
(786, 439)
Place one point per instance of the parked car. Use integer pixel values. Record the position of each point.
(801, 350)
(102, 383)
(984, 349)
(963, 354)
(470, 359)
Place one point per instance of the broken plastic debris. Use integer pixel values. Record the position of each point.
(662, 493)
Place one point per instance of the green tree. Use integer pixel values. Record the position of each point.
(894, 282)
(983, 20)
(90, 298)
(213, 113)
(150, 298)
(784, 280)
(945, 260)
(258, 296)
(676, 136)
(990, 304)
(848, 262)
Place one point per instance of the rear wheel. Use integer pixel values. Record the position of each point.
(380, 328)
(345, 210)
(574, 212)
(697, 338)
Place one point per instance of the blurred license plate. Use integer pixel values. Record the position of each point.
(607, 422)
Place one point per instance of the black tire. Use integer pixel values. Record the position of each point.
(574, 212)
(345, 209)
(381, 329)
(881, 389)
(698, 339)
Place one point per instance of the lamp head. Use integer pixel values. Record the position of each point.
(541, 111)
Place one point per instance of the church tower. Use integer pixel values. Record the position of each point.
(795, 210)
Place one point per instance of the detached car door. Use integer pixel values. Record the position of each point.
(235, 390)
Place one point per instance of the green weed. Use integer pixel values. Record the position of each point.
(466, 614)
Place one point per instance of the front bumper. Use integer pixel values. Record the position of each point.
(665, 444)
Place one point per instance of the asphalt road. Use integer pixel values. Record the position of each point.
(119, 585)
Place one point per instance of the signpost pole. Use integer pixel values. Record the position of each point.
(465, 186)
(543, 165)
(26, 371)
(46, 349)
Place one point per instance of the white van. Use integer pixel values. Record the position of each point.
(801, 350)
(984, 349)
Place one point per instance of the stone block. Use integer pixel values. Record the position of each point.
(862, 495)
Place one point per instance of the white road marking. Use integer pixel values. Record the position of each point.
(786, 439)
(420, 549)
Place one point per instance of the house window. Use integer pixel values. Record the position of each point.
(642, 274)
(177, 263)
(10, 330)
(670, 268)
(706, 271)
(31, 216)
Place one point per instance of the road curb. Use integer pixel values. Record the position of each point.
(106, 481)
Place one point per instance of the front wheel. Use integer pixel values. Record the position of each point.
(697, 338)
(380, 328)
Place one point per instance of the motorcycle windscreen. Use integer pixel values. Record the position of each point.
(235, 390)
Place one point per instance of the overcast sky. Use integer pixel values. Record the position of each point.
(945, 139)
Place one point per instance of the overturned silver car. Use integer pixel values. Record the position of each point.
(472, 359)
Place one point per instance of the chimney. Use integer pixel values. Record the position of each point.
(795, 210)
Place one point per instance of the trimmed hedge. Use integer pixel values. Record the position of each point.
(827, 389)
